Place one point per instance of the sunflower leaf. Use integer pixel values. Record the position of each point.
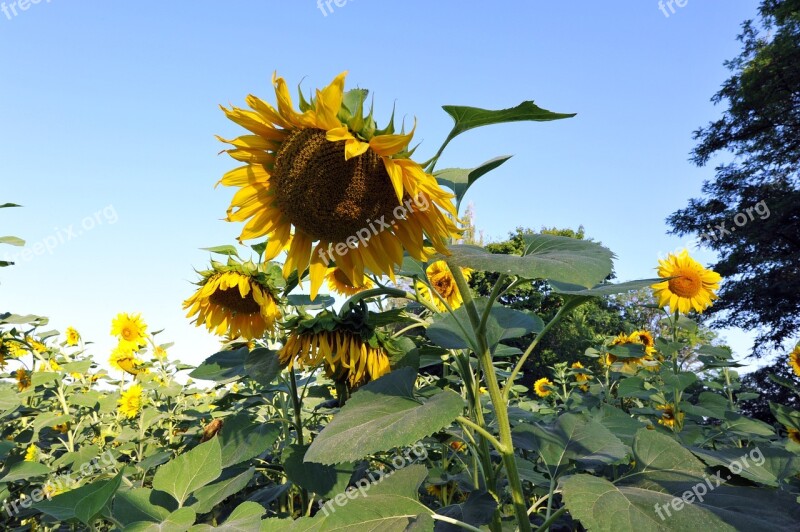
(383, 415)
(12, 240)
(228, 250)
(460, 179)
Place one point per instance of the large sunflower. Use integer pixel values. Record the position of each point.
(237, 299)
(692, 286)
(441, 279)
(327, 186)
(350, 350)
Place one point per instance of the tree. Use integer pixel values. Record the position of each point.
(760, 382)
(750, 211)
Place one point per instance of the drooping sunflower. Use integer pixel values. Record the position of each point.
(131, 401)
(693, 285)
(543, 387)
(668, 416)
(130, 329)
(441, 279)
(794, 360)
(327, 185)
(349, 348)
(73, 337)
(339, 283)
(238, 299)
(123, 358)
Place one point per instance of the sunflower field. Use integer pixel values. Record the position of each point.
(364, 383)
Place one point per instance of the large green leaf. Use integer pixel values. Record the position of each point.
(448, 330)
(222, 367)
(649, 498)
(324, 480)
(603, 289)
(9, 401)
(572, 437)
(232, 481)
(190, 471)
(766, 465)
(25, 470)
(242, 439)
(460, 179)
(141, 504)
(477, 510)
(382, 415)
(262, 365)
(84, 503)
(556, 258)
(180, 520)
(244, 518)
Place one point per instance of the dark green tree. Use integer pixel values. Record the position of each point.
(750, 212)
(760, 382)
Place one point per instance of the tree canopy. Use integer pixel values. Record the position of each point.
(750, 212)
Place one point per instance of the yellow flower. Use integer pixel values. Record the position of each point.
(794, 360)
(441, 278)
(32, 453)
(693, 285)
(542, 387)
(794, 434)
(458, 446)
(236, 299)
(629, 365)
(159, 353)
(131, 401)
(327, 186)
(36, 345)
(61, 427)
(50, 365)
(72, 336)
(23, 379)
(668, 417)
(579, 376)
(124, 359)
(51, 491)
(338, 282)
(130, 329)
(347, 352)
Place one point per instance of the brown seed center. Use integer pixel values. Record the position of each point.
(687, 285)
(232, 300)
(325, 196)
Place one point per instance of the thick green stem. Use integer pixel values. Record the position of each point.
(498, 402)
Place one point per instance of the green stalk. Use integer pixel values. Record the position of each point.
(498, 402)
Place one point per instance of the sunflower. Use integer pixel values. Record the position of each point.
(130, 329)
(237, 299)
(794, 360)
(350, 349)
(580, 376)
(793, 434)
(61, 427)
(124, 359)
(338, 282)
(441, 279)
(32, 453)
(327, 186)
(631, 364)
(542, 387)
(131, 401)
(72, 336)
(693, 285)
(23, 379)
(668, 416)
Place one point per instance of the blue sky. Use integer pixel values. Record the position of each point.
(109, 112)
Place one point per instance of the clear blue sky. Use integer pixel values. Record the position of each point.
(109, 110)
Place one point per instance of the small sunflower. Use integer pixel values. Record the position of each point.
(61, 427)
(131, 401)
(793, 434)
(130, 329)
(693, 285)
(581, 376)
(327, 185)
(124, 359)
(23, 379)
(32, 453)
(159, 353)
(72, 336)
(668, 417)
(441, 279)
(794, 360)
(339, 283)
(543, 387)
(237, 299)
(631, 364)
(350, 349)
